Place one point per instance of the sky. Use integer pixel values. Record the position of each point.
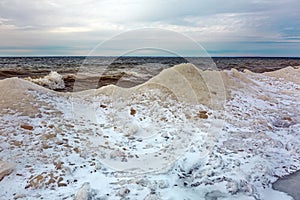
(221, 27)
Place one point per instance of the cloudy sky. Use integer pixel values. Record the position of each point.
(222, 27)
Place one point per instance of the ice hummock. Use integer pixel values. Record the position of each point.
(87, 143)
(52, 81)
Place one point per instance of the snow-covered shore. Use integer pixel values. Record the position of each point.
(184, 134)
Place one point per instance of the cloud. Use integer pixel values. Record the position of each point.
(82, 24)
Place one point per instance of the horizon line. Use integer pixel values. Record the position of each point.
(133, 56)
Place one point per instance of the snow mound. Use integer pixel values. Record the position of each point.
(52, 81)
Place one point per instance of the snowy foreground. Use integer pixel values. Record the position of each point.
(185, 134)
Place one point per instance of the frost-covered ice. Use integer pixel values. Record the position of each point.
(53, 81)
(153, 141)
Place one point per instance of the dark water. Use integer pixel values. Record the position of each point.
(134, 70)
(289, 184)
(256, 64)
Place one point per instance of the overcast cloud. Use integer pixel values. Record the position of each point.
(231, 27)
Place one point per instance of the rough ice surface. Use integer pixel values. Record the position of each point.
(52, 81)
(152, 142)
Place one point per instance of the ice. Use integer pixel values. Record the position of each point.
(53, 81)
(150, 142)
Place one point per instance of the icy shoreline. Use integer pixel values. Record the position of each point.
(234, 151)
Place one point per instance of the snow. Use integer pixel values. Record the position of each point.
(149, 142)
(53, 81)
